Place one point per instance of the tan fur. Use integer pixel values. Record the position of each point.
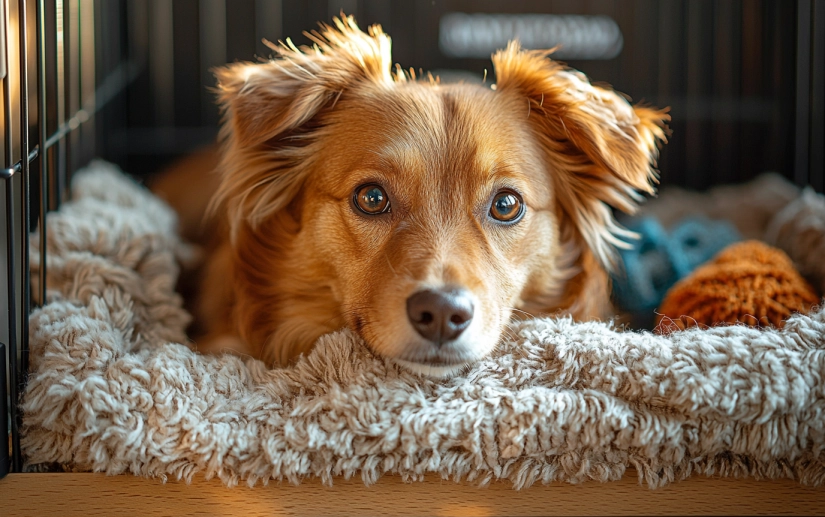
(303, 130)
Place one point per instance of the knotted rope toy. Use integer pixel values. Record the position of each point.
(658, 259)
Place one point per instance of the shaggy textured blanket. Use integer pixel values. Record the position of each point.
(113, 389)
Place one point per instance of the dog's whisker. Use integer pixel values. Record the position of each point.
(334, 102)
(520, 311)
(510, 331)
(387, 258)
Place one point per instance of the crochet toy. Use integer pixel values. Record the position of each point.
(748, 282)
(658, 259)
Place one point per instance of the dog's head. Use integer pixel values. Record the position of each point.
(418, 214)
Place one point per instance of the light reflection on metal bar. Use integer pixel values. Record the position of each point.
(3, 41)
(72, 95)
(86, 20)
(59, 61)
(111, 86)
(8, 173)
(6, 144)
(57, 172)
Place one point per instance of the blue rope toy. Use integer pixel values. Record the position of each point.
(658, 259)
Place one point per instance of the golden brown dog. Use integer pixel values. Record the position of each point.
(421, 215)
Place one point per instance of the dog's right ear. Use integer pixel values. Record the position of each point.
(263, 100)
(266, 106)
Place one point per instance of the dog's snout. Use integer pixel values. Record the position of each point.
(440, 315)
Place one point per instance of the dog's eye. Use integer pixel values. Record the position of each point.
(507, 207)
(371, 199)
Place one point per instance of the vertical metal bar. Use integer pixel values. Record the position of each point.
(803, 92)
(42, 98)
(8, 146)
(58, 172)
(268, 23)
(336, 7)
(6, 162)
(7, 143)
(4, 416)
(3, 41)
(86, 20)
(699, 14)
(212, 52)
(12, 312)
(41, 123)
(161, 62)
(5, 159)
(26, 224)
(59, 62)
(817, 164)
(70, 99)
(138, 31)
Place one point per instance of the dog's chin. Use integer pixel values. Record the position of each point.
(422, 357)
(441, 364)
(435, 370)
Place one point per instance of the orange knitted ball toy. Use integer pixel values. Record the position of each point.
(748, 282)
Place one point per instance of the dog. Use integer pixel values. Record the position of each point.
(422, 216)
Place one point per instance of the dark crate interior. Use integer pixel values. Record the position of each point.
(728, 69)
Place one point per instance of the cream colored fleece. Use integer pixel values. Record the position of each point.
(112, 388)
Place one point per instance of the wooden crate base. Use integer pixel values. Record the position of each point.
(89, 495)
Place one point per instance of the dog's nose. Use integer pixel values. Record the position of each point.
(440, 315)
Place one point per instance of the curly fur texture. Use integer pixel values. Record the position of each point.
(112, 388)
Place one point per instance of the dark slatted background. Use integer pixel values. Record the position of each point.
(728, 69)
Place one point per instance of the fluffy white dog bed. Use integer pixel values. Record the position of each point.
(112, 388)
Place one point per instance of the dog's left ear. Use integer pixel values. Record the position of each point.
(599, 148)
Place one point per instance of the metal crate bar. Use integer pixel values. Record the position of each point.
(18, 351)
(41, 115)
(65, 69)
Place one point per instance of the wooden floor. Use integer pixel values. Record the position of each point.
(89, 495)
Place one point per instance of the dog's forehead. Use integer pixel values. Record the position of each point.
(436, 131)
